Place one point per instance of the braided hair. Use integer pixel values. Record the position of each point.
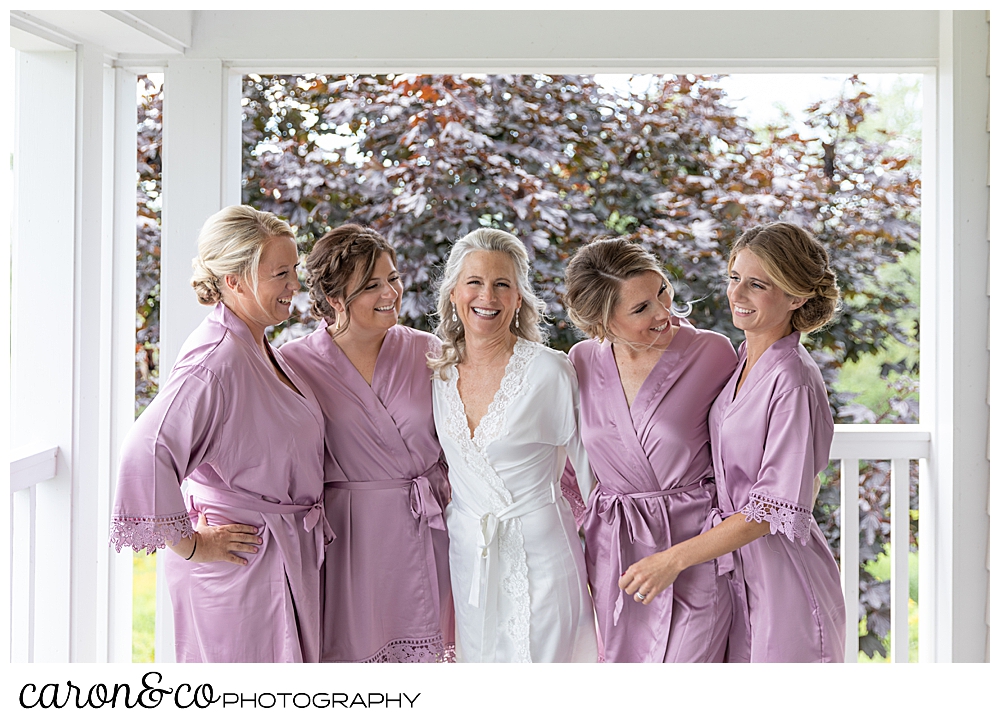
(345, 253)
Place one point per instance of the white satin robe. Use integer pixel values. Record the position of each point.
(518, 576)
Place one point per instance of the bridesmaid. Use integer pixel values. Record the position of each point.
(387, 592)
(771, 430)
(647, 382)
(245, 434)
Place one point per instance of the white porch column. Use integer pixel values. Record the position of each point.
(201, 132)
(954, 520)
(199, 109)
(91, 352)
(73, 374)
(42, 283)
(116, 625)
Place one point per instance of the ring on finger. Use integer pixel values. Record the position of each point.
(640, 596)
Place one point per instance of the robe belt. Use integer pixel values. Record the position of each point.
(485, 586)
(618, 509)
(424, 503)
(724, 563)
(314, 519)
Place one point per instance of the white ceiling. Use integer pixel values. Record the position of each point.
(117, 32)
(483, 40)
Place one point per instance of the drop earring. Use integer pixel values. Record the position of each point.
(517, 318)
(454, 314)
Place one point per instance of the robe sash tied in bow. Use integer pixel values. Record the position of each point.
(485, 571)
(314, 520)
(618, 509)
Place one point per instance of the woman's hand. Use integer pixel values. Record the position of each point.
(653, 574)
(218, 543)
(650, 576)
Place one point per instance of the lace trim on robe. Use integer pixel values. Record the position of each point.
(790, 520)
(414, 650)
(149, 533)
(493, 426)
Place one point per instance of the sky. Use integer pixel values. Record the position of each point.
(759, 97)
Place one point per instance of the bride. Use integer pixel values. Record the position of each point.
(506, 410)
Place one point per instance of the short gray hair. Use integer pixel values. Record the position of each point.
(452, 333)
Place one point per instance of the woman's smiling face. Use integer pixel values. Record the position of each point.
(641, 316)
(486, 296)
(376, 308)
(277, 282)
(758, 306)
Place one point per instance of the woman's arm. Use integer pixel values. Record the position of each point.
(655, 573)
(175, 434)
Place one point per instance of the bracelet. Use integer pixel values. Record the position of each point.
(195, 538)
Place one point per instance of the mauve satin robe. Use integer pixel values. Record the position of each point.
(767, 446)
(654, 489)
(251, 451)
(386, 589)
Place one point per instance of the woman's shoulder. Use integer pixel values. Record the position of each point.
(210, 359)
(419, 339)
(303, 346)
(793, 367)
(211, 345)
(546, 362)
(584, 350)
(712, 341)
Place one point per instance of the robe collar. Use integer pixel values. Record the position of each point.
(328, 348)
(764, 366)
(225, 317)
(659, 379)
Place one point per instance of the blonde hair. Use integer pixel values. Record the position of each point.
(452, 333)
(335, 258)
(798, 265)
(231, 243)
(594, 279)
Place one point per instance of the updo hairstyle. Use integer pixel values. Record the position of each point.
(231, 243)
(594, 278)
(798, 265)
(334, 260)
(452, 333)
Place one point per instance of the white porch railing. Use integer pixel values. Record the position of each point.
(27, 469)
(852, 444)
(899, 444)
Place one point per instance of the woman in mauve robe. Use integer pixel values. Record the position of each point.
(654, 488)
(771, 430)
(387, 595)
(250, 448)
(769, 443)
(386, 589)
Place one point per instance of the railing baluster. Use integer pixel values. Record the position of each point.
(32, 570)
(22, 575)
(899, 563)
(849, 474)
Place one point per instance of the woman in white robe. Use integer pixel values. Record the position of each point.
(505, 408)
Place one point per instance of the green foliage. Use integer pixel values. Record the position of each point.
(143, 607)
(879, 569)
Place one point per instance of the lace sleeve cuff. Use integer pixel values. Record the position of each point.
(149, 533)
(790, 520)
